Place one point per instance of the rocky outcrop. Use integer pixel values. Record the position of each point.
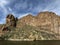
(11, 20)
(5, 28)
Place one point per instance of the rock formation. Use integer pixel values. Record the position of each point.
(44, 26)
(11, 20)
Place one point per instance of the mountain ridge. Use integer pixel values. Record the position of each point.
(33, 27)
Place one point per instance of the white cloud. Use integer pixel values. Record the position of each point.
(22, 5)
(54, 6)
(4, 10)
(37, 9)
(3, 2)
(3, 21)
(22, 15)
(10, 9)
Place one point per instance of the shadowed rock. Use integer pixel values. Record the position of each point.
(11, 20)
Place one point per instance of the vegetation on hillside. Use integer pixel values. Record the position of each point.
(28, 32)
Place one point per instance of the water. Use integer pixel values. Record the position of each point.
(42, 42)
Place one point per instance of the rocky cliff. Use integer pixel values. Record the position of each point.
(46, 20)
(44, 26)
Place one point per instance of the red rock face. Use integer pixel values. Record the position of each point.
(46, 20)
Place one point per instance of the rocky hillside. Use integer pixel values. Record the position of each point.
(46, 20)
(44, 26)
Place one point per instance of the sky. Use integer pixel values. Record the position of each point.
(20, 8)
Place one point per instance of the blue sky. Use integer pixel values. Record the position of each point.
(20, 8)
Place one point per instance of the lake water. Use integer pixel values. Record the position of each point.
(42, 42)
